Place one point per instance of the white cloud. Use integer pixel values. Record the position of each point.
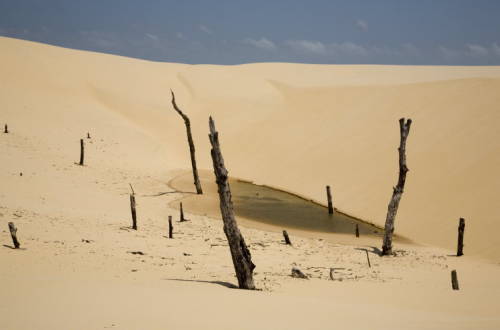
(45, 29)
(449, 54)
(313, 47)
(496, 49)
(179, 35)
(349, 48)
(362, 24)
(203, 28)
(263, 43)
(478, 51)
(412, 50)
(101, 39)
(154, 39)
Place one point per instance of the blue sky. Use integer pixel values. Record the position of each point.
(419, 32)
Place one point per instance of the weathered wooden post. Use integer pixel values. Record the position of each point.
(461, 229)
(329, 196)
(191, 146)
(454, 280)
(357, 230)
(398, 191)
(13, 233)
(287, 239)
(368, 258)
(134, 216)
(170, 227)
(81, 151)
(242, 259)
(182, 214)
(6, 130)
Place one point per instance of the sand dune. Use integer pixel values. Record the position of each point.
(290, 126)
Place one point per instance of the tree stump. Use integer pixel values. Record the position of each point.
(6, 129)
(357, 230)
(134, 216)
(13, 233)
(461, 229)
(81, 152)
(329, 196)
(191, 145)
(287, 239)
(242, 259)
(88, 135)
(297, 273)
(454, 280)
(398, 191)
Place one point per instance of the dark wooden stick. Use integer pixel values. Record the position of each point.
(133, 192)
(134, 216)
(88, 135)
(461, 229)
(368, 258)
(287, 239)
(6, 130)
(170, 227)
(191, 146)
(329, 196)
(182, 214)
(13, 233)
(357, 230)
(242, 259)
(81, 151)
(331, 274)
(398, 191)
(454, 280)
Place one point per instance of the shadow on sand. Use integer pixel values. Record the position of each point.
(225, 284)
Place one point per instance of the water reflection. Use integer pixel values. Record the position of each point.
(278, 208)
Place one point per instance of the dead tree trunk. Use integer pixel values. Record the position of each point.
(287, 239)
(357, 230)
(134, 216)
(461, 229)
(242, 260)
(329, 196)
(13, 233)
(182, 215)
(6, 130)
(398, 191)
(81, 151)
(191, 146)
(454, 280)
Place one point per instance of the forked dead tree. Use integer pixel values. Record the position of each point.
(242, 260)
(191, 146)
(398, 191)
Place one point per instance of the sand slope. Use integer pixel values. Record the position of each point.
(294, 127)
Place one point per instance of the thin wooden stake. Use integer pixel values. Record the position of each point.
(287, 239)
(133, 192)
(182, 214)
(357, 230)
(461, 229)
(13, 233)
(329, 196)
(454, 280)
(81, 151)
(170, 227)
(242, 259)
(368, 258)
(331, 274)
(134, 216)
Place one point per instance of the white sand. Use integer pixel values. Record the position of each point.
(294, 127)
